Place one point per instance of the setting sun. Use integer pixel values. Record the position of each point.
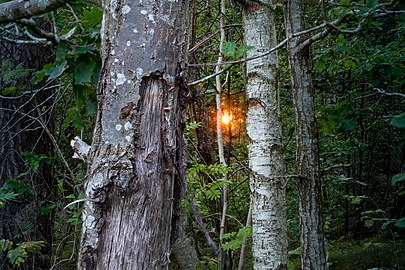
(226, 118)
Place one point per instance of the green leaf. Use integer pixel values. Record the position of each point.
(90, 107)
(229, 49)
(232, 245)
(61, 50)
(92, 17)
(372, 3)
(85, 49)
(398, 178)
(242, 50)
(8, 90)
(73, 115)
(69, 34)
(398, 121)
(320, 65)
(17, 256)
(32, 245)
(83, 71)
(296, 251)
(55, 71)
(40, 75)
(400, 223)
(7, 196)
(5, 244)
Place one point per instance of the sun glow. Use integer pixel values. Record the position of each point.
(226, 118)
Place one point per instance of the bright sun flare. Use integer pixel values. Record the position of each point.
(226, 118)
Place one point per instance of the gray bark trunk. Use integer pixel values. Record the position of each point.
(314, 255)
(127, 217)
(264, 127)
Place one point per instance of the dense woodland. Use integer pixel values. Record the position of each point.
(224, 134)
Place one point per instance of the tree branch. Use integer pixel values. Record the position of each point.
(17, 9)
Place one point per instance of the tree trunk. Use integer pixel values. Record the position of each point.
(267, 180)
(129, 190)
(307, 159)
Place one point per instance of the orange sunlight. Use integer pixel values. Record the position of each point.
(226, 118)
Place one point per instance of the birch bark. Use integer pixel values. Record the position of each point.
(311, 226)
(138, 136)
(267, 180)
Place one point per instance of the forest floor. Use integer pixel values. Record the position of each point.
(377, 253)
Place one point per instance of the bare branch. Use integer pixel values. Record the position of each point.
(334, 26)
(383, 92)
(19, 41)
(231, 63)
(45, 34)
(17, 9)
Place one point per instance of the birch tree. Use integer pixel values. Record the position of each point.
(309, 188)
(137, 138)
(265, 140)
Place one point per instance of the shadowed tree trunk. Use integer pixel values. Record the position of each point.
(137, 139)
(309, 187)
(20, 131)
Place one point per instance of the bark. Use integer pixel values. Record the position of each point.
(127, 217)
(307, 159)
(21, 220)
(267, 180)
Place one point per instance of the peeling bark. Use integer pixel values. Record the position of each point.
(127, 221)
(307, 159)
(264, 127)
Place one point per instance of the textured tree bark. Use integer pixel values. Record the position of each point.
(22, 220)
(266, 158)
(311, 226)
(129, 190)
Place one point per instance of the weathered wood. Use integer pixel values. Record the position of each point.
(136, 140)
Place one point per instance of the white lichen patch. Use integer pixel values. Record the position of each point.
(89, 221)
(128, 43)
(151, 31)
(144, 12)
(118, 127)
(116, 60)
(95, 183)
(139, 72)
(135, 30)
(127, 126)
(128, 138)
(126, 9)
(113, 52)
(150, 16)
(120, 79)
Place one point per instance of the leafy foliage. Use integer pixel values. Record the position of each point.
(17, 254)
(231, 50)
(236, 238)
